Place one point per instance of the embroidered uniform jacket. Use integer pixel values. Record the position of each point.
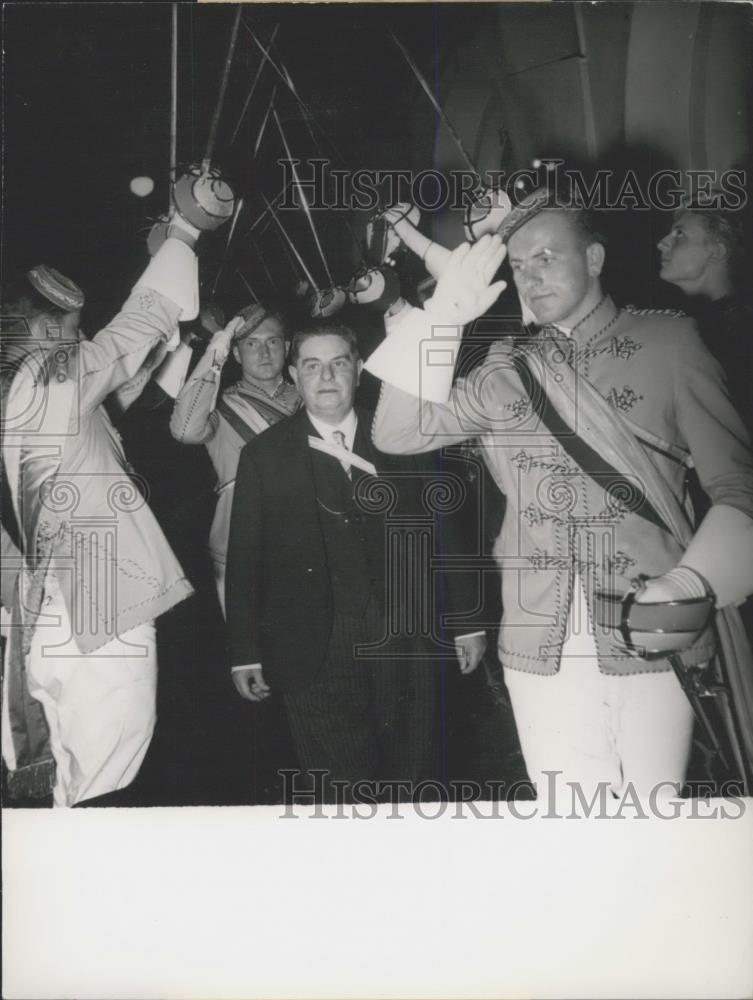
(80, 513)
(651, 367)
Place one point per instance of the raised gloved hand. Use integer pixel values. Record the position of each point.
(222, 340)
(465, 289)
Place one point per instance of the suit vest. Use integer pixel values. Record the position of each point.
(353, 540)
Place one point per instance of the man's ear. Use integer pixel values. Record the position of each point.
(293, 372)
(718, 252)
(236, 353)
(595, 256)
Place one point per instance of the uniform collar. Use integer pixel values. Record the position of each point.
(249, 387)
(590, 327)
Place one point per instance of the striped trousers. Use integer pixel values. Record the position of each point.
(365, 718)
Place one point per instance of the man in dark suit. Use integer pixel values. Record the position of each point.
(307, 581)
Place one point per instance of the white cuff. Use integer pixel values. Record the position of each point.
(469, 635)
(722, 552)
(245, 666)
(418, 356)
(171, 374)
(174, 272)
(686, 583)
(391, 318)
(179, 222)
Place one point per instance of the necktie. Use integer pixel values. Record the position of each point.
(339, 438)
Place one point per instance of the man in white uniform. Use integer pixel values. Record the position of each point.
(94, 570)
(639, 387)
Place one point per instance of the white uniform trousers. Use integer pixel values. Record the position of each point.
(593, 727)
(100, 707)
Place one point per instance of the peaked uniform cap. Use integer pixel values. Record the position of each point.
(528, 208)
(253, 316)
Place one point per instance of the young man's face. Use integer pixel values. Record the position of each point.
(554, 271)
(261, 354)
(686, 251)
(326, 374)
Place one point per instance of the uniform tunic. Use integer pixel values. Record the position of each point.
(652, 368)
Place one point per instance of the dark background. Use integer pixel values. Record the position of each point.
(86, 109)
(87, 98)
(87, 101)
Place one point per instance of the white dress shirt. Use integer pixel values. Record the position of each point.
(348, 427)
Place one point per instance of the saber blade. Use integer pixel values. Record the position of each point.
(227, 244)
(260, 258)
(246, 282)
(292, 246)
(266, 211)
(253, 85)
(221, 96)
(436, 105)
(260, 136)
(173, 102)
(304, 201)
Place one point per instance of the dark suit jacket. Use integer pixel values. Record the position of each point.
(278, 591)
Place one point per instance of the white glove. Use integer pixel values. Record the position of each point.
(465, 289)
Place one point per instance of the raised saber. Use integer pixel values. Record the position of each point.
(304, 201)
(292, 246)
(266, 56)
(436, 105)
(260, 258)
(233, 224)
(253, 85)
(247, 283)
(173, 168)
(260, 135)
(221, 96)
(266, 211)
(286, 78)
(288, 255)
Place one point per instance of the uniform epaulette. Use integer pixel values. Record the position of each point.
(636, 311)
